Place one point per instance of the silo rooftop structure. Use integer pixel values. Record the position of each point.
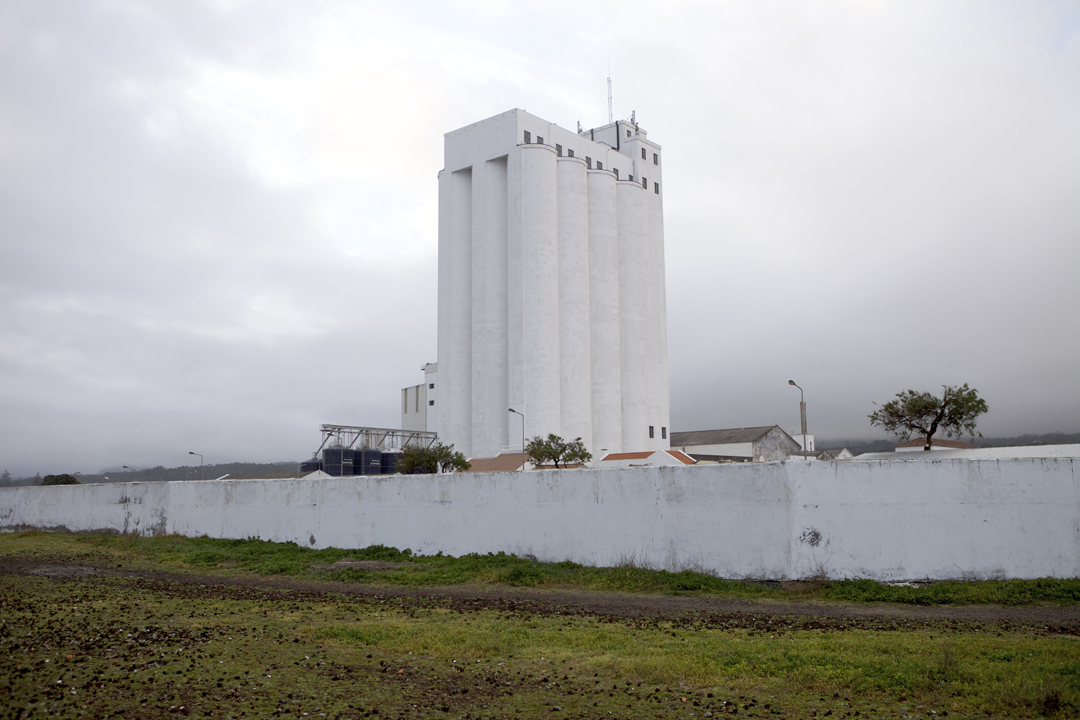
(551, 287)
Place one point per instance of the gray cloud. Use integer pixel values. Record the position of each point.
(218, 222)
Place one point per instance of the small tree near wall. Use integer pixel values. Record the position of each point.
(427, 460)
(556, 450)
(64, 479)
(910, 413)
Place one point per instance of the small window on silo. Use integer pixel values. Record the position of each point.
(643, 153)
(656, 188)
(558, 149)
(539, 140)
(588, 162)
(655, 159)
(569, 152)
(528, 136)
(652, 432)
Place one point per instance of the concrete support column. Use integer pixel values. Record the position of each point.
(455, 308)
(540, 250)
(481, 311)
(515, 288)
(444, 338)
(575, 333)
(632, 316)
(488, 378)
(656, 320)
(498, 277)
(604, 313)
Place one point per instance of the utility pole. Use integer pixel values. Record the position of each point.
(522, 438)
(202, 470)
(802, 415)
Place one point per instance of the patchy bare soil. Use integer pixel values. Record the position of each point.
(1043, 619)
(99, 636)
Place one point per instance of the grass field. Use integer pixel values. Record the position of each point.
(75, 642)
(263, 557)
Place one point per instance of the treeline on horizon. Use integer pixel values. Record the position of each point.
(858, 447)
(184, 472)
(289, 469)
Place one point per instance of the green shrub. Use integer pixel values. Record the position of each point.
(64, 479)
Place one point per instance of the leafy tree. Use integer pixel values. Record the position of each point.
(449, 460)
(921, 413)
(414, 460)
(64, 479)
(558, 451)
(5, 479)
(426, 460)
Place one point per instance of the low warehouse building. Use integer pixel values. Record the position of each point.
(752, 444)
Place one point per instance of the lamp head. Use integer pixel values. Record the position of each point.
(790, 382)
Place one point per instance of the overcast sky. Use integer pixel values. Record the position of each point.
(218, 220)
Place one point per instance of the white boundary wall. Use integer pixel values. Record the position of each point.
(888, 520)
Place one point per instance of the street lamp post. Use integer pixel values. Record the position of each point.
(202, 471)
(522, 469)
(134, 471)
(802, 415)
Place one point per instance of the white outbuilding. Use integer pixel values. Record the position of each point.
(752, 444)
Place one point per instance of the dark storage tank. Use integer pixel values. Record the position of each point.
(331, 461)
(369, 462)
(310, 466)
(389, 462)
(338, 461)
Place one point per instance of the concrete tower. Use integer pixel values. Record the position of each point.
(551, 287)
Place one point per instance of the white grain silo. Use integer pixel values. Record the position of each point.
(551, 287)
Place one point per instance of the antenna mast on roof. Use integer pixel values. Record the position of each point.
(610, 117)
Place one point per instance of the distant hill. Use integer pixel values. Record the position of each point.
(1047, 439)
(858, 447)
(289, 469)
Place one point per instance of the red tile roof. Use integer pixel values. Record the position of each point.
(681, 457)
(629, 456)
(507, 462)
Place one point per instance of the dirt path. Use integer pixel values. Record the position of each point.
(1042, 618)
